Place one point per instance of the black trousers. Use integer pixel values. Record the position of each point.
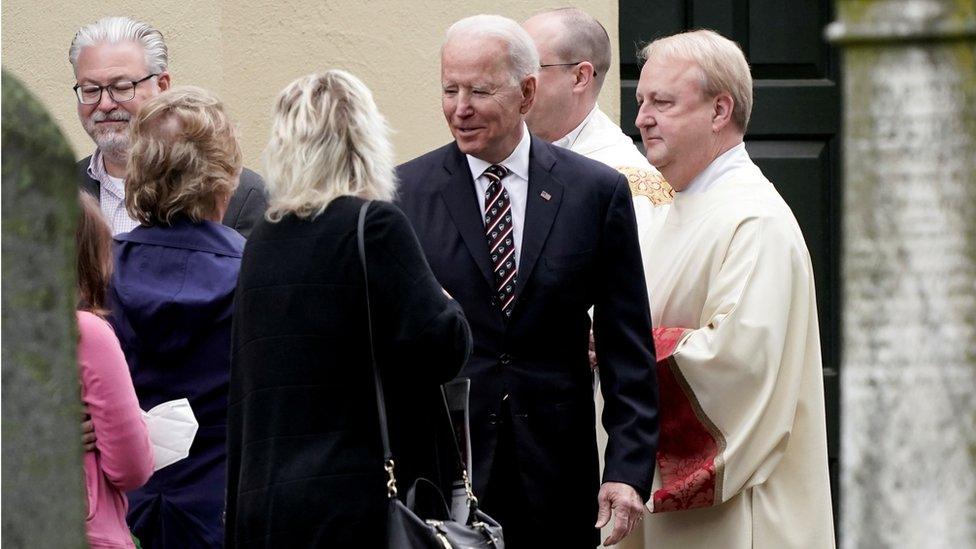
(504, 500)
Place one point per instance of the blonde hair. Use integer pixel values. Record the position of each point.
(328, 140)
(721, 62)
(184, 158)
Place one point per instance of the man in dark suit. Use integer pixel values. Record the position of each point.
(119, 64)
(527, 237)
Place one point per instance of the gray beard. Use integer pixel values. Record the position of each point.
(114, 147)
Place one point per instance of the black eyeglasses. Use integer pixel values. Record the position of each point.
(120, 92)
(564, 65)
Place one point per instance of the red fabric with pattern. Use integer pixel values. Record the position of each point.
(687, 450)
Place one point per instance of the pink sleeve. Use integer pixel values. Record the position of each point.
(122, 439)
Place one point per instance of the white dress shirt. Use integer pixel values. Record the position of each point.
(111, 197)
(517, 185)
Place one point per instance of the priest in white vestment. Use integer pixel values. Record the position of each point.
(574, 53)
(742, 460)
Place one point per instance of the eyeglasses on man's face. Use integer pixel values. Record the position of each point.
(120, 92)
(565, 65)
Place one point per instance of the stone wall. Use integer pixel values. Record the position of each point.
(909, 273)
(44, 502)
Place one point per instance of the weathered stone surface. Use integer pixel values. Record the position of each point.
(43, 488)
(909, 273)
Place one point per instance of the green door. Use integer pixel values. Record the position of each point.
(794, 133)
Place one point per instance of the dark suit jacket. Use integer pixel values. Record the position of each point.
(246, 207)
(305, 466)
(579, 249)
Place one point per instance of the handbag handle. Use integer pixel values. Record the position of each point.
(391, 486)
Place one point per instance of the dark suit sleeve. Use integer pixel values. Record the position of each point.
(625, 350)
(248, 204)
(417, 326)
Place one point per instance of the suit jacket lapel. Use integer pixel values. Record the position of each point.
(542, 203)
(85, 181)
(458, 192)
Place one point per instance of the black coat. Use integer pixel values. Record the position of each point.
(304, 453)
(245, 209)
(579, 249)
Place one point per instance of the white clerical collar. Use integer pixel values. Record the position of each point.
(710, 175)
(517, 162)
(567, 141)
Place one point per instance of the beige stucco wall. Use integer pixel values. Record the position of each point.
(247, 51)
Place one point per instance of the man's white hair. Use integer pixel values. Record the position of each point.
(523, 59)
(720, 61)
(115, 30)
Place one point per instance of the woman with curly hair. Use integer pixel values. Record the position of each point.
(171, 298)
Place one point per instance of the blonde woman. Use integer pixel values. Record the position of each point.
(305, 466)
(171, 298)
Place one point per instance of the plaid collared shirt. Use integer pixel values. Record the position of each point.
(111, 196)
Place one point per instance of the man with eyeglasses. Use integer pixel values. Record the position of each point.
(574, 53)
(119, 64)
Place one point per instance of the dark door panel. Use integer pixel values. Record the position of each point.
(641, 22)
(794, 108)
(787, 35)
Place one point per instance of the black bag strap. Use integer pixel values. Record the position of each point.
(391, 486)
(377, 381)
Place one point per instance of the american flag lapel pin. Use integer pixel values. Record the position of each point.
(545, 196)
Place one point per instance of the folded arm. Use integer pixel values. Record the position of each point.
(123, 440)
(730, 387)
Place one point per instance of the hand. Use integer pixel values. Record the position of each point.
(624, 500)
(87, 433)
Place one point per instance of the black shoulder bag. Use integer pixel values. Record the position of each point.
(405, 529)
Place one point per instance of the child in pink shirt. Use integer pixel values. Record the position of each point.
(123, 457)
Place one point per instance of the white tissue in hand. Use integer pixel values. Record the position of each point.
(172, 427)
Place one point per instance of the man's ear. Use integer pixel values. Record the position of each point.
(722, 111)
(163, 81)
(584, 75)
(528, 93)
